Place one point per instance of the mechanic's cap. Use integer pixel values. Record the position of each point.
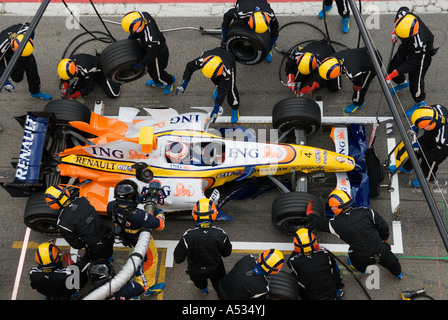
(306, 63)
(339, 201)
(204, 209)
(406, 26)
(67, 69)
(426, 118)
(331, 68)
(305, 241)
(57, 197)
(47, 255)
(269, 262)
(259, 21)
(133, 22)
(29, 47)
(212, 66)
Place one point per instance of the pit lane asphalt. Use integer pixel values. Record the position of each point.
(423, 258)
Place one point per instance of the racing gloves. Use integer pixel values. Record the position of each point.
(392, 75)
(308, 89)
(291, 82)
(309, 207)
(75, 95)
(182, 87)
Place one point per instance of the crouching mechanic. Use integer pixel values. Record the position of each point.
(363, 229)
(431, 147)
(79, 74)
(10, 39)
(260, 17)
(80, 224)
(204, 246)
(51, 278)
(356, 65)
(130, 221)
(247, 279)
(219, 66)
(143, 27)
(316, 269)
(301, 66)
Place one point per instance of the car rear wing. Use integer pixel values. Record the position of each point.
(28, 175)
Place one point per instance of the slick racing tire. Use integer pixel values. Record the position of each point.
(116, 61)
(288, 213)
(298, 113)
(68, 110)
(247, 46)
(283, 286)
(39, 216)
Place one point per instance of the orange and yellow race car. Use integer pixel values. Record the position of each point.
(69, 144)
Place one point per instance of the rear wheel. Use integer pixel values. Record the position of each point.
(68, 110)
(288, 211)
(39, 216)
(118, 58)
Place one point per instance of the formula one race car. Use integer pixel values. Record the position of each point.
(69, 144)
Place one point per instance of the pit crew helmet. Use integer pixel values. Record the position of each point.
(57, 197)
(204, 209)
(212, 66)
(126, 190)
(67, 69)
(177, 152)
(306, 63)
(269, 262)
(339, 201)
(331, 68)
(406, 26)
(427, 118)
(133, 22)
(29, 47)
(305, 242)
(47, 255)
(259, 21)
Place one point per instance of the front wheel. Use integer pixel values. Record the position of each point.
(288, 211)
(283, 286)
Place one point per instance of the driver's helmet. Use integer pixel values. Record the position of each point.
(269, 262)
(126, 190)
(259, 21)
(331, 68)
(29, 47)
(47, 255)
(67, 69)
(339, 201)
(305, 241)
(306, 63)
(133, 22)
(406, 26)
(177, 152)
(57, 197)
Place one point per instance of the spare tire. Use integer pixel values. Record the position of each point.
(247, 46)
(116, 61)
(288, 211)
(301, 113)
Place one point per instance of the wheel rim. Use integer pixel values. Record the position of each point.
(243, 50)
